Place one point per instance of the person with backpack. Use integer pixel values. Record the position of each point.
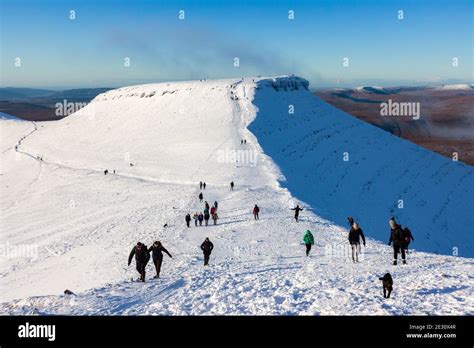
(187, 219)
(232, 186)
(308, 241)
(207, 248)
(256, 210)
(200, 218)
(407, 238)
(214, 215)
(142, 256)
(396, 237)
(195, 217)
(206, 216)
(200, 197)
(157, 250)
(355, 234)
(297, 211)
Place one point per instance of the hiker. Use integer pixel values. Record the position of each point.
(200, 197)
(297, 211)
(256, 210)
(241, 140)
(396, 237)
(188, 219)
(200, 218)
(308, 240)
(350, 220)
(114, 171)
(206, 248)
(206, 216)
(407, 238)
(214, 215)
(245, 141)
(106, 172)
(142, 256)
(355, 234)
(387, 283)
(204, 185)
(232, 186)
(200, 185)
(195, 217)
(157, 250)
(215, 204)
(206, 205)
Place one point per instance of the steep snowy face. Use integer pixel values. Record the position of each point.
(168, 131)
(344, 167)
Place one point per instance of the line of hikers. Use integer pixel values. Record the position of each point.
(142, 256)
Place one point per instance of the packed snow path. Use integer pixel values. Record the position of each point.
(85, 223)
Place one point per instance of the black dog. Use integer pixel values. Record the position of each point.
(387, 282)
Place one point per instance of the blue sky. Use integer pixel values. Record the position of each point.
(57, 52)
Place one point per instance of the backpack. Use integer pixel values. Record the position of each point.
(406, 233)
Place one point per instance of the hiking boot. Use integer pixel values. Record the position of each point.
(404, 262)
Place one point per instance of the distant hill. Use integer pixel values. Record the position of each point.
(12, 93)
(39, 105)
(446, 122)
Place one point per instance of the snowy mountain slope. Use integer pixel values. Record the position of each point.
(84, 223)
(309, 147)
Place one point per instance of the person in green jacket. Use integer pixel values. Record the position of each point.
(308, 240)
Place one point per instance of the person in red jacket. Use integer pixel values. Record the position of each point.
(256, 210)
(214, 215)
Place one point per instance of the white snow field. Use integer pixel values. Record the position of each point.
(66, 225)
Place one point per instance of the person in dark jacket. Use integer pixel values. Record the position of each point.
(256, 210)
(200, 218)
(355, 234)
(407, 238)
(200, 185)
(157, 250)
(206, 216)
(297, 212)
(396, 237)
(206, 248)
(200, 197)
(232, 186)
(204, 185)
(142, 256)
(187, 219)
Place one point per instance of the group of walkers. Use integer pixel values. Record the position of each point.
(207, 214)
(142, 256)
(400, 238)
